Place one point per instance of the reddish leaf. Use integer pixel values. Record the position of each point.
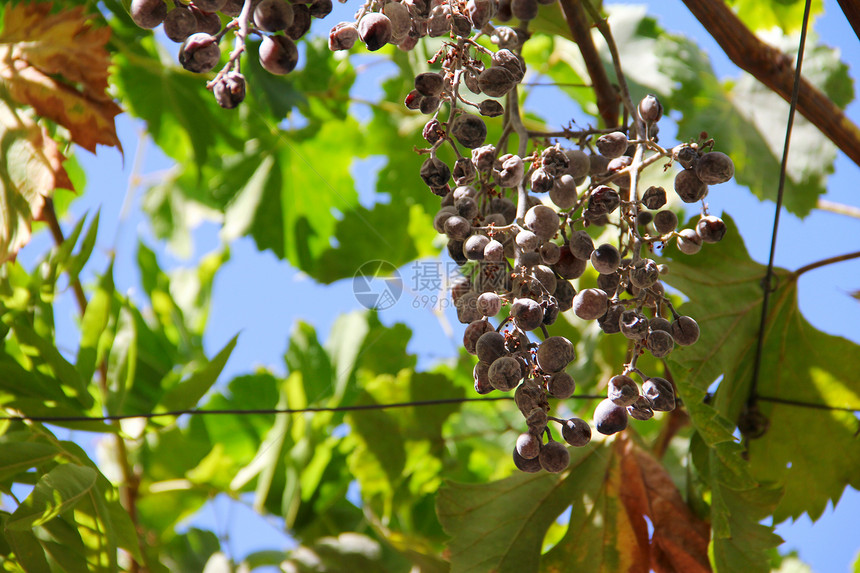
(31, 167)
(680, 539)
(58, 64)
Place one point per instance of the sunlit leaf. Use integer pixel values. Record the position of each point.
(31, 167)
(798, 362)
(57, 491)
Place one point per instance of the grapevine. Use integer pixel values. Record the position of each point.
(522, 222)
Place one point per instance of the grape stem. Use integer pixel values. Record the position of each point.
(243, 22)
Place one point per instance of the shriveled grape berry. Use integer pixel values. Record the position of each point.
(301, 22)
(610, 322)
(489, 304)
(612, 145)
(229, 91)
(496, 81)
(490, 347)
(687, 157)
(278, 55)
(654, 197)
(429, 83)
(590, 304)
(689, 187)
(605, 258)
(273, 15)
(711, 229)
(665, 221)
(469, 130)
(581, 245)
(473, 332)
(542, 221)
(633, 325)
(554, 354)
(490, 108)
(650, 109)
(541, 181)
(179, 24)
(644, 273)
(563, 193)
(609, 418)
(659, 391)
(689, 242)
(481, 376)
(549, 252)
(434, 172)
(148, 13)
(641, 409)
(321, 8)
(554, 457)
(199, 53)
(511, 171)
(660, 343)
(529, 466)
(505, 373)
(530, 396)
(576, 432)
(375, 30)
(527, 314)
(528, 445)
(685, 331)
(622, 390)
(561, 385)
(568, 266)
(343, 37)
(536, 420)
(467, 308)
(714, 168)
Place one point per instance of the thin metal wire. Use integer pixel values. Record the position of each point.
(353, 408)
(768, 277)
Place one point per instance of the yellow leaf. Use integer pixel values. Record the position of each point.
(57, 63)
(31, 167)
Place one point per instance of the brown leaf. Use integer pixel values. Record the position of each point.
(680, 539)
(31, 167)
(58, 64)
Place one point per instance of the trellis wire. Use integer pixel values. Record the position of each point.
(350, 408)
(768, 277)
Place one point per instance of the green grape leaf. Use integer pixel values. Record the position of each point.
(763, 15)
(56, 492)
(799, 363)
(94, 324)
(18, 457)
(611, 488)
(188, 392)
(346, 552)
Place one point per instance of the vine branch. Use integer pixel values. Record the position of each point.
(604, 91)
(825, 262)
(775, 70)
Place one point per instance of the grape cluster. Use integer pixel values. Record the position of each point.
(518, 223)
(200, 26)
